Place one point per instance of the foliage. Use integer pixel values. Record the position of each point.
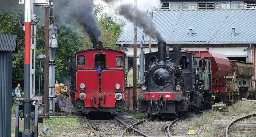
(61, 126)
(9, 24)
(70, 40)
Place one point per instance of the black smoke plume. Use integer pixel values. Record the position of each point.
(139, 17)
(82, 12)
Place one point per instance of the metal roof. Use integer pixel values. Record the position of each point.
(7, 42)
(208, 27)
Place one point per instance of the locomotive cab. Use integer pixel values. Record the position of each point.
(98, 80)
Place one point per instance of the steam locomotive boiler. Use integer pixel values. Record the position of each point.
(174, 83)
(98, 80)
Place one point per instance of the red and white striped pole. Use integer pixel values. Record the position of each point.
(27, 104)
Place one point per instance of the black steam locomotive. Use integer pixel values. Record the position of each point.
(175, 82)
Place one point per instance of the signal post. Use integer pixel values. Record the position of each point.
(30, 111)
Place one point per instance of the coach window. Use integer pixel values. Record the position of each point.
(119, 61)
(80, 60)
(100, 60)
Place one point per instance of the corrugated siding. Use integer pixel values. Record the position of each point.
(7, 42)
(208, 27)
(5, 93)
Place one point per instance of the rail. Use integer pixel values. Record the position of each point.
(235, 121)
(168, 127)
(132, 127)
(90, 126)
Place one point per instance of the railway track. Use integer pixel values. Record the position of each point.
(168, 127)
(132, 126)
(244, 126)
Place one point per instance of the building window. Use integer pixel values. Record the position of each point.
(244, 82)
(175, 5)
(190, 5)
(250, 6)
(237, 5)
(206, 5)
(222, 5)
(80, 60)
(165, 5)
(119, 61)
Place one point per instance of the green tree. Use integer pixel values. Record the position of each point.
(70, 41)
(9, 24)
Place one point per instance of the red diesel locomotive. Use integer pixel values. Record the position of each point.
(98, 80)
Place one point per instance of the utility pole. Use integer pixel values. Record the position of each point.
(135, 59)
(46, 61)
(151, 16)
(142, 61)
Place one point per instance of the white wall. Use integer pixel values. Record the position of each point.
(229, 52)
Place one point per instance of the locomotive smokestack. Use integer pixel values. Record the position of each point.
(100, 44)
(162, 51)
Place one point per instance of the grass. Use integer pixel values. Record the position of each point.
(213, 123)
(60, 126)
(139, 115)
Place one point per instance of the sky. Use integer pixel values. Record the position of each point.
(142, 4)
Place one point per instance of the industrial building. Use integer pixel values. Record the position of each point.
(226, 27)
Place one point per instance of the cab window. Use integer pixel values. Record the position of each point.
(80, 60)
(119, 61)
(100, 60)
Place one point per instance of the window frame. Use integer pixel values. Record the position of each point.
(122, 61)
(105, 64)
(77, 61)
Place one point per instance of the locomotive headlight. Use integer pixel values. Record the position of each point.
(82, 96)
(118, 96)
(118, 86)
(143, 88)
(82, 85)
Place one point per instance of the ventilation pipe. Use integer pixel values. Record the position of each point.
(190, 31)
(233, 32)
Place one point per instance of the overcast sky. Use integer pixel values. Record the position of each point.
(142, 4)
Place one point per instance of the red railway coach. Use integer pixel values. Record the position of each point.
(98, 80)
(220, 67)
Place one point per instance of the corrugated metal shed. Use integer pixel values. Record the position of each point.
(7, 42)
(207, 27)
(7, 45)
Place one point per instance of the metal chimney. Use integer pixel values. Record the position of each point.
(233, 31)
(162, 51)
(190, 31)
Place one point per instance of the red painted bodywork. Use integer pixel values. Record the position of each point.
(220, 67)
(156, 95)
(89, 78)
(27, 43)
(109, 78)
